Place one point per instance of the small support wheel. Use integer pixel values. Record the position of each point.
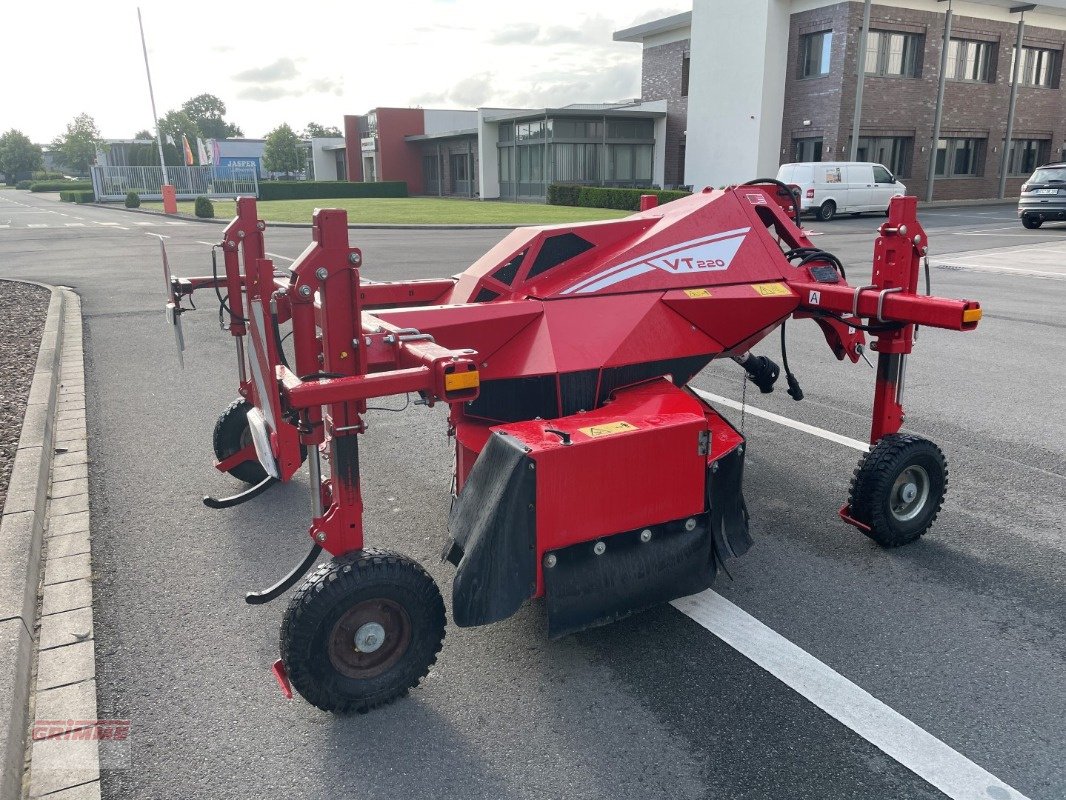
(362, 630)
(1031, 223)
(232, 435)
(898, 488)
(827, 210)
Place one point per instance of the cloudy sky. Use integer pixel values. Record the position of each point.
(313, 60)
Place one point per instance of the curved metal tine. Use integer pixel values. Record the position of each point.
(243, 497)
(286, 583)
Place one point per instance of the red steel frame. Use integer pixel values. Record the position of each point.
(355, 340)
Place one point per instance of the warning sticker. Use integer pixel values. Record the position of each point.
(698, 292)
(608, 429)
(771, 289)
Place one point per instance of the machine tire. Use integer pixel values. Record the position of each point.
(365, 588)
(827, 210)
(898, 488)
(1031, 223)
(231, 435)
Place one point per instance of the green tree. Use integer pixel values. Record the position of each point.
(144, 133)
(316, 131)
(174, 124)
(209, 113)
(18, 155)
(283, 151)
(77, 147)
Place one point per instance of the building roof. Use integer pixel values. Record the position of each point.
(423, 137)
(637, 109)
(638, 32)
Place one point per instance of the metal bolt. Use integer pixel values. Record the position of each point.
(740, 450)
(484, 364)
(305, 291)
(321, 273)
(320, 536)
(550, 560)
(599, 548)
(369, 637)
(531, 466)
(260, 225)
(902, 230)
(714, 467)
(690, 524)
(917, 239)
(645, 535)
(355, 259)
(240, 234)
(231, 244)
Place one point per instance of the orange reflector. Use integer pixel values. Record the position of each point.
(457, 381)
(971, 314)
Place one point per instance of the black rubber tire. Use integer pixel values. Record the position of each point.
(871, 494)
(827, 210)
(231, 435)
(1031, 223)
(334, 588)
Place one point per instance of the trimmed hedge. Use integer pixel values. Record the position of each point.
(133, 200)
(316, 190)
(204, 208)
(77, 196)
(60, 186)
(48, 176)
(23, 184)
(561, 194)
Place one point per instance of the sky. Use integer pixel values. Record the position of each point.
(310, 60)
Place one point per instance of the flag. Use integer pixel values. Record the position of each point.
(170, 140)
(188, 150)
(201, 151)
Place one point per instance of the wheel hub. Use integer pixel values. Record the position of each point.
(369, 638)
(910, 493)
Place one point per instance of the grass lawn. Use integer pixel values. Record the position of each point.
(412, 210)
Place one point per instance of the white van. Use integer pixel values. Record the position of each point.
(828, 188)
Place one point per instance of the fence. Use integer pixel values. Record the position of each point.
(114, 183)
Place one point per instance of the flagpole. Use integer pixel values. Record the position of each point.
(151, 94)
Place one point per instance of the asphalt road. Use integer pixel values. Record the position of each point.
(962, 633)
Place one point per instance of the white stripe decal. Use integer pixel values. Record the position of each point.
(666, 251)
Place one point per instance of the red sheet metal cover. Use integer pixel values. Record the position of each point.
(636, 461)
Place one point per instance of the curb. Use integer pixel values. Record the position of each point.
(355, 226)
(69, 743)
(22, 526)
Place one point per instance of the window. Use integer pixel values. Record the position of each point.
(815, 50)
(892, 151)
(630, 129)
(807, 149)
(684, 75)
(959, 157)
(968, 60)
(506, 132)
(458, 163)
(1039, 66)
(892, 53)
(1026, 155)
(882, 175)
(576, 163)
(629, 163)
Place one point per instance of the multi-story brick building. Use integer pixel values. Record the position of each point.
(751, 84)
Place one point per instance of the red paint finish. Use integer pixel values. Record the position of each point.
(399, 160)
(353, 149)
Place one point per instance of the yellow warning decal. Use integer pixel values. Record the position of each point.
(771, 289)
(608, 429)
(457, 381)
(694, 293)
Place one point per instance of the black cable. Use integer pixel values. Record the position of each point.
(277, 338)
(788, 191)
(794, 390)
(407, 402)
(322, 376)
(222, 304)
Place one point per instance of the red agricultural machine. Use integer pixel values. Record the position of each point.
(587, 472)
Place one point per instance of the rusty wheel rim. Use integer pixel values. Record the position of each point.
(369, 638)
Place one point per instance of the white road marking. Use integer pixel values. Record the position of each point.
(106, 223)
(822, 433)
(283, 258)
(74, 224)
(142, 224)
(209, 244)
(888, 730)
(36, 224)
(5, 226)
(1001, 270)
(175, 223)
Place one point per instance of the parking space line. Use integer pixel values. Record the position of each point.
(852, 706)
(822, 433)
